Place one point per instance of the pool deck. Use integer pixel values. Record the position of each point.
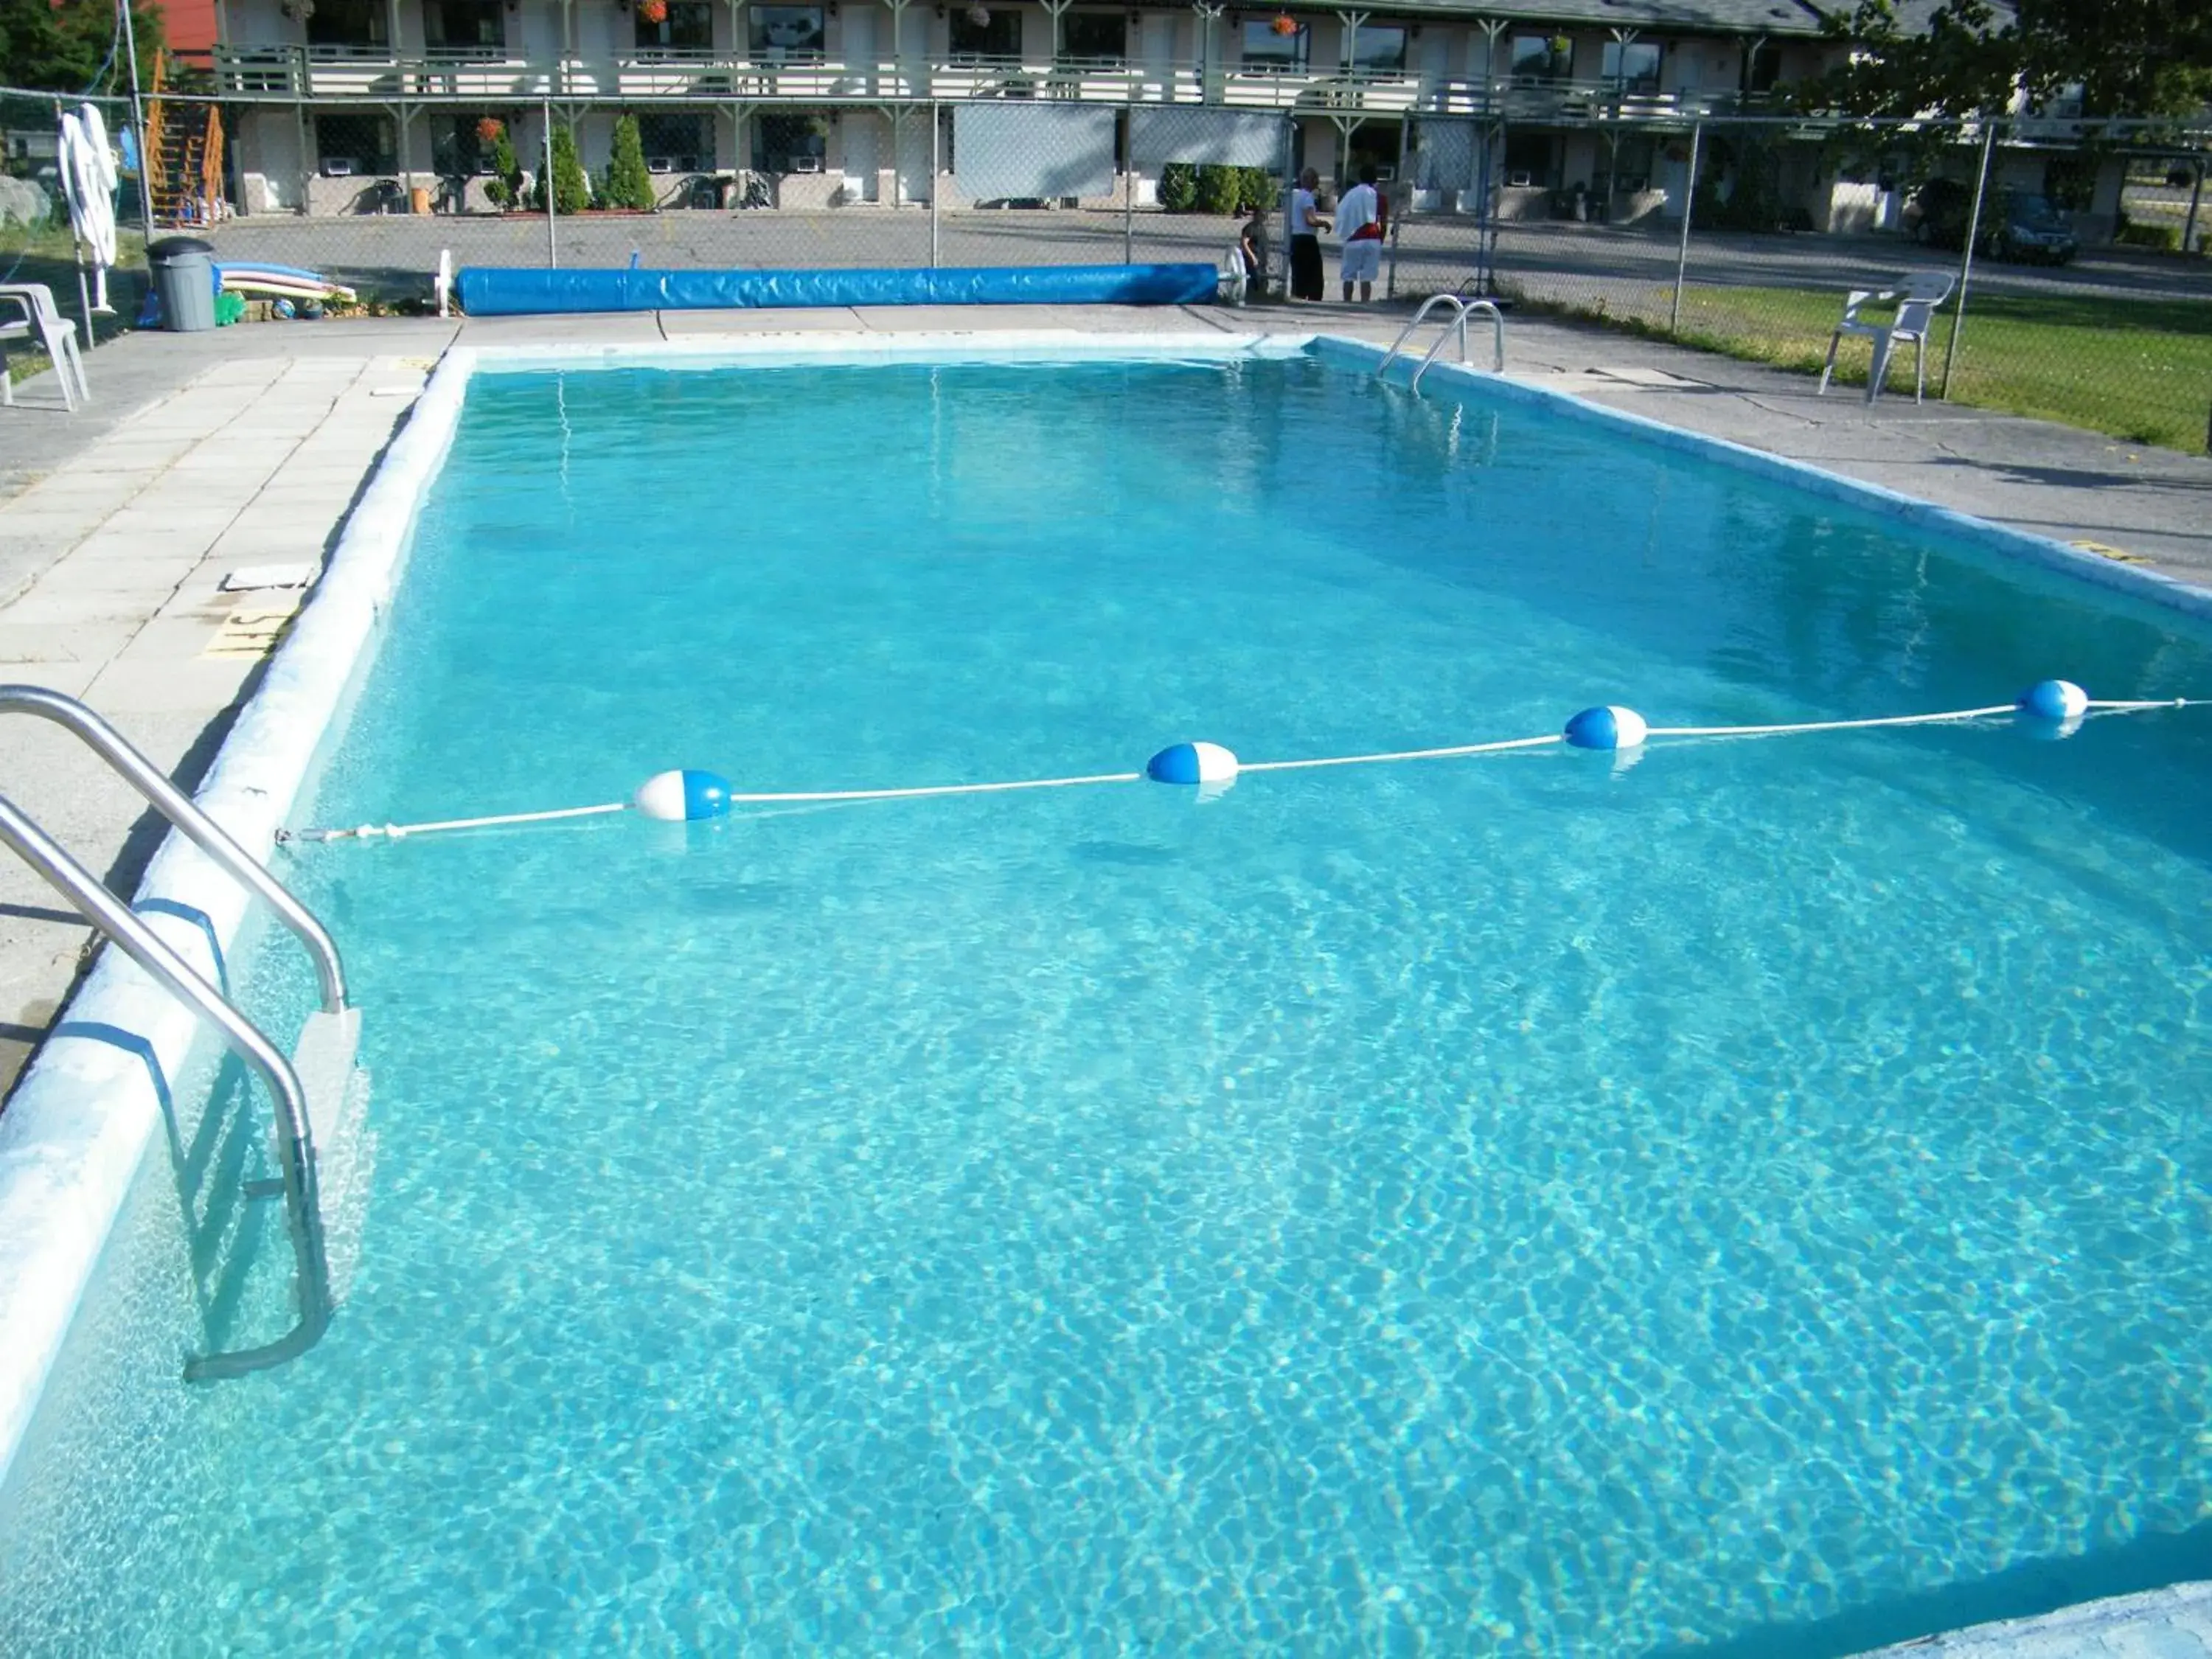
(208, 454)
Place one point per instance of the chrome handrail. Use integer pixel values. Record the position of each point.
(1455, 328)
(1468, 308)
(295, 1138)
(1459, 322)
(175, 805)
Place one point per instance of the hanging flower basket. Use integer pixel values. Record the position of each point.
(980, 16)
(1286, 25)
(490, 130)
(653, 11)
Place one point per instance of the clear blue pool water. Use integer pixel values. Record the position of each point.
(1756, 1198)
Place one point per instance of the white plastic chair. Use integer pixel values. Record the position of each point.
(1917, 293)
(36, 301)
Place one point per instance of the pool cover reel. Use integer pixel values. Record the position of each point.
(500, 291)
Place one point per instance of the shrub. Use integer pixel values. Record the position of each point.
(505, 188)
(1220, 189)
(628, 183)
(1178, 191)
(2166, 238)
(572, 191)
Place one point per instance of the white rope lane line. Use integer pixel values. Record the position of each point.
(687, 795)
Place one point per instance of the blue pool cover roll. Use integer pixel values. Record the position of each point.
(499, 291)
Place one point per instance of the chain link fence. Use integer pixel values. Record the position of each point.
(2083, 298)
(36, 245)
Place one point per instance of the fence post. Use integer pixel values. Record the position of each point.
(2195, 195)
(138, 123)
(1966, 259)
(934, 139)
(1689, 206)
(552, 237)
(1129, 176)
(1405, 204)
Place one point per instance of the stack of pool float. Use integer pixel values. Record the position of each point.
(290, 290)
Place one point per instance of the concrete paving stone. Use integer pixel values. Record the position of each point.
(148, 580)
(71, 522)
(67, 642)
(65, 608)
(71, 679)
(132, 455)
(203, 683)
(167, 639)
(73, 491)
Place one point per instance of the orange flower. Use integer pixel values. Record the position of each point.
(1286, 24)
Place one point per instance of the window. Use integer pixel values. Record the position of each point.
(1531, 158)
(676, 141)
(784, 34)
(999, 35)
(459, 148)
(352, 143)
(348, 23)
(688, 26)
(1633, 160)
(1095, 36)
(1379, 49)
(1633, 67)
(788, 141)
(1264, 49)
(1762, 67)
(1541, 57)
(471, 26)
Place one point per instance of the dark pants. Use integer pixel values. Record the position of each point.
(1305, 268)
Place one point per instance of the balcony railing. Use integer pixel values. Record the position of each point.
(479, 75)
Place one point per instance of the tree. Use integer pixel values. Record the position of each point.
(2130, 57)
(59, 46)
(572, 191)
(629, 184)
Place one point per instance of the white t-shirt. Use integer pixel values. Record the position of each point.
(1356, 209)
(1302, 212)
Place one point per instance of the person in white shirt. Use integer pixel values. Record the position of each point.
(1307, 223)
(1360, 217)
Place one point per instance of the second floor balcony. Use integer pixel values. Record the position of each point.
(475, 75)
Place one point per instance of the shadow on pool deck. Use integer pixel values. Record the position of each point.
(2032, 1588)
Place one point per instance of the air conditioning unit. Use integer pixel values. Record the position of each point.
(659, 164)
(806, 164)
(340, 166)
(1518, 181)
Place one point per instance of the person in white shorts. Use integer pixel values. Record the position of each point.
(1360, 222)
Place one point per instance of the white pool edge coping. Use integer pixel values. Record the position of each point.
(76, 1132)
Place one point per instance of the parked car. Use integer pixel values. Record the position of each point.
(2016, 224)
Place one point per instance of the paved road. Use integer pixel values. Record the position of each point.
(397, 253)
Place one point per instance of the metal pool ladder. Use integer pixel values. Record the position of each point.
(1455, 327)
(313, 1090)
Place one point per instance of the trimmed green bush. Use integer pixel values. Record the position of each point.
(1220, 189)
(1178, 191)
(504, 187)
(628, 183)
(2166, 238)
(572, 191)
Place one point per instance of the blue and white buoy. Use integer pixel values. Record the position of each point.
(680, 797)
(1607, 727)
(2055, 699)
(1208, 765)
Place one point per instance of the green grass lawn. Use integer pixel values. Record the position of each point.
(2139, 369)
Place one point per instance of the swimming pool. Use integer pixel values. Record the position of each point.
(1528, 1203)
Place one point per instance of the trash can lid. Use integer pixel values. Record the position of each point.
(171, 247)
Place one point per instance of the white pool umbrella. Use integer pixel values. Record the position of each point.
(88, 169)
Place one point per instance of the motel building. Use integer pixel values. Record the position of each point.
(1582, 109)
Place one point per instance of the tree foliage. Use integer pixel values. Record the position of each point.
(59, 46)
(2129, 58)
(572, 191)
(629, 182)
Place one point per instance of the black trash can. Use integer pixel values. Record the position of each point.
(184, 278)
